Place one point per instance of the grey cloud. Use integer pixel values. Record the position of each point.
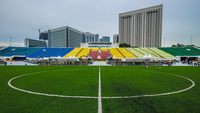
(22, 18)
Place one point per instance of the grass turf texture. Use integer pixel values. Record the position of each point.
(116, 81)
(63, 82)
(12, 101)
(186, 102)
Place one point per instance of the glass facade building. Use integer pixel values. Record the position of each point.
(89, 37)
(64, 37)
(105, 39)
(34, 43)
(115, 38)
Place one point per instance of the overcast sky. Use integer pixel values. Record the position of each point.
(21, 18)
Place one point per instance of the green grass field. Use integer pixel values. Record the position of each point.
(83, 81)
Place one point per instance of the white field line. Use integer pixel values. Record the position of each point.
(159, 94)
(99, 93)
(43, 94)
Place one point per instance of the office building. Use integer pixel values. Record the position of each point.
(89, 37)
(99, 45)
(141, 28)
(64, 37)
(105, 39)
(34, 43)
(115, 38)
(43, 35)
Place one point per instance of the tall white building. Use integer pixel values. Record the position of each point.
(141, 28)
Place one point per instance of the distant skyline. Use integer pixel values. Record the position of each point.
(21, 19)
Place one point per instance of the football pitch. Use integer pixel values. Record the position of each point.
(89, 89)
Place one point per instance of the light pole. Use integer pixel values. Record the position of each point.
(10, 41)
(191, 40)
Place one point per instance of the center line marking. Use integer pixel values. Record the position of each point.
(99, 93)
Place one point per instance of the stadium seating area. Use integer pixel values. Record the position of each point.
(104, 53)
(115, 53)
(145, 52)
(136, 53)
(94, 53)
(126, 53)
(23, 51)
(152, 53)
(37, 54)
(73, 53)
(161, 53)
(182, 51)
(84, 53)
(34, 52)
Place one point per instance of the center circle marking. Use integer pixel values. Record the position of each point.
(96, 97)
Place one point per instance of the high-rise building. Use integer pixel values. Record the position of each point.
(89, 37)
(43, 35)
(115, 38)
(105, 39)
(34, 43)
(64, 37)
(141, 28)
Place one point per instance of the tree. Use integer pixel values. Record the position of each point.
(124, 45)
(178, 45)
